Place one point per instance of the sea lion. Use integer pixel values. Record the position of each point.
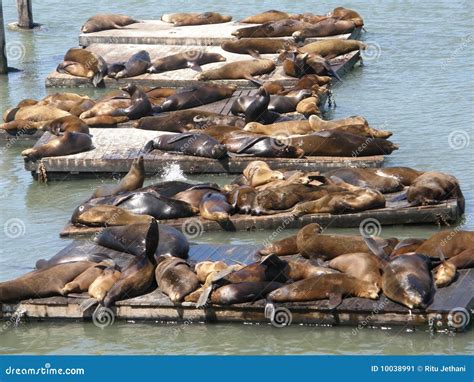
(82, 282)
(434, 187)
(362, 266)
(283, 247)
(241, 199)
(60, 258)
(104, 21)
(261, 146)
(245, 69)
(277, 103)
(313, 244)
(445, 274)
(137, 278)
(102, 284)
(255, 46)
(105, 215)
(333, 286)
(280, 129)
(43, 282)
(259, 172)
(342, 13)
(175, 278)
(463, 260)
(38, 113)
(67, 144)
(333, 47)
(84, 63)
(21, 127)
(173, 242)
(137, 64)
(308, 106)
(367, 178)
(204, 268)
(182, 121)
(327, 27)
(407, 246)
(182, 19)
(301, 64)
(133, 180)
(105, 121)
(189, 59)
(303, 269)
(194, 195)
(214, 206)
(243, 292)
(280, 28)
(405, 175)
(452, 243)
(196, 144)
(67, 123)
(265, 17)
(111, 108)
(138, 239)
(140, 104)
(354, 125)
(196, 96)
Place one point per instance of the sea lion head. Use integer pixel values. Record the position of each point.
(370, 291)
(129, 88)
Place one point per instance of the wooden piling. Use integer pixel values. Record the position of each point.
(25, 14)
(3, 55)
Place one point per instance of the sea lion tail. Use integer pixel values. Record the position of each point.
(88, 303)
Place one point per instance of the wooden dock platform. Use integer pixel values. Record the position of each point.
(182, 77)
(159, 32)
(116, 148)
(396, 212)
(156, 307)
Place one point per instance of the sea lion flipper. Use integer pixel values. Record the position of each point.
(399, 197)
(149, 147)
(375, 247)
(206, 292)
(97, 79)
(194, 66)
(86, 304)
(250, 144)
(254, 53)
(334, 300)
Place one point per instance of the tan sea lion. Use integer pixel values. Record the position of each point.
(463, 260)
(104, 21)
(111, 107)
(204, 268)
(67, 144)
(82, 282)
(367, 178)
(445, 274)
(133, 180)
(43, 282)
(258, 173)
(354, 125)
(245, 69)
(102, 284)
(67, 123)
(325, 28)
(280, 28)
(265, 17)
(182, 19)
(334, 47)
(303, 269)
(308, 106)
(105, 121)
(195, 194)
(362, 266)
(105, 215)
(184, 60)
(255, 46)
(241, 198)
(214, 206)
(342, 13)
(84, 63)
(434, 187)
(175, 278)
(38, 113)
(281, 130)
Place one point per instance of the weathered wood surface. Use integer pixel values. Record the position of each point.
(25, 14)
(157, 307)
(183, 77)
(116, 148)
(395, 213)
(159, 32)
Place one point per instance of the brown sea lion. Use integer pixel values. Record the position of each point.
(102, 284)
(311, 243)
(204, 268)
(280, 28)
(434, 187)
(106, 215)
(43, 282)
(325, 28)
(259, 172)
(407, 246)
(182, 19)
(137, 64)
(39, 113)
(266, 17)
(451, 242)
(189, 59)
(105, 121)
(298, 65)
(245, 69)
(241, 198)
(82, 282)
(283, 247)
(110, 108)
(308, 107)
(243, 292)
(342, 13)
(67, 144)
(368, 179)
(334, 47)
(194, 195)
(84, 63)
(21, 126)
(303, 269)
(362, 266)
(463, 260)
(405, 175)
(214, 206)
(445, 274)
(140, 104)
(133, 180)
(67, 123)
(104, 21)
(280, 129)
(175, 278)
(332, 286)
(354, 125)
(255, 46)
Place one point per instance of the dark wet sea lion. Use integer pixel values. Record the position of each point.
(333, 286)
(138, 277)
(265, 17)
(331, 48)
(172, 242)
(451, 242)
(261, 146)
(255, 46)
(280, 28)
(182, 121)
(196, 144)
(102, 284)
(67, 144)
(307, 63)
(362, 177)
(140, 106)
(196, 96)
(184, 60)
(139, 239)
(175, 278)
(194, 195)
(311, 243)
(182, 19)
(241, 199)
(59, 258)
(325, 28)
(214, 206)
(245, 69)
(133, 180)
(43, 282)
(243, 292)
(106, 215)
(362, 266)
(82, 282)
(104, 21)
(94, 65)
(137, 64)
(67, 123)
(277, 103)
(434, 187)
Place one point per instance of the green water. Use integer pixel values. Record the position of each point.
(417, 82)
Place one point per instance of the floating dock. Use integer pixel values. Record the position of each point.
(116, 148)
(183, 77)
(449, 305)
(395, 212)
(158, 32)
